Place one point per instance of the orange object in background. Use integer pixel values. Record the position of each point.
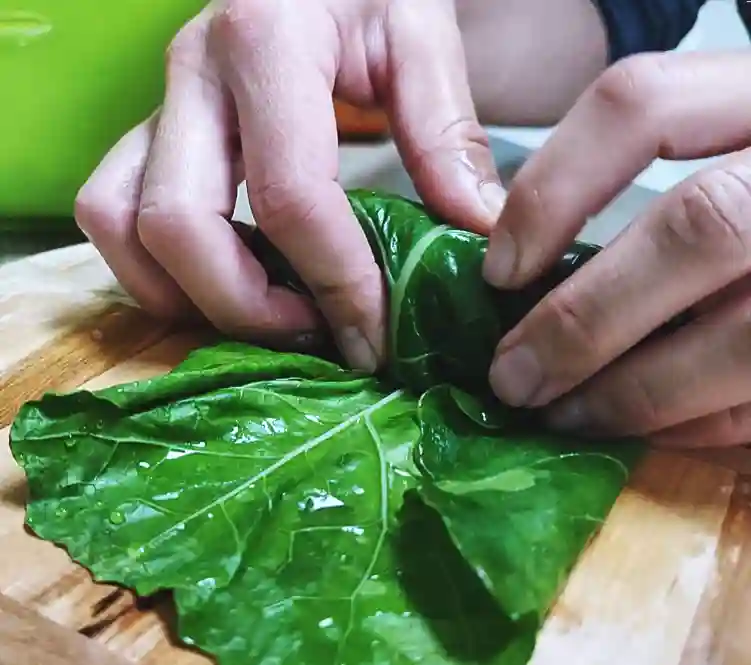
(356, 124)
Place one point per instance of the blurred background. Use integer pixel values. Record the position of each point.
(49, 67)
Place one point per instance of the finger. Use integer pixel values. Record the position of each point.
(106, 211)
(692, 242)
(188, 194)
(740, 288)
(282, 87)
(731, 427)
(698, 371)
(674, 106)
(433, 118)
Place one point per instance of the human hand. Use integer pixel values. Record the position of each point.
(578, 353)
(249, 96)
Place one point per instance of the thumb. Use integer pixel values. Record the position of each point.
(433, 118)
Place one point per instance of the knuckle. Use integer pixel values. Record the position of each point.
(159, 228)
(100, 216)
(575, 324)
(243, 22)
(463, 131)
(356, 296)
(632, 84)
(461, 134)
(461, 139)
(458, 141)
(281, 208)
(710, 218)
(188, 47)
(107, 221)
(288, 215)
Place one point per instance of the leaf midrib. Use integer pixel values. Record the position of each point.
(400, 287)
(302, 449)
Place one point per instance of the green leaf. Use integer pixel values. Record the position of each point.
(520, 504)
(306, 514)
(445, 320)
(267, 490)
(159, 484)
(420, 604)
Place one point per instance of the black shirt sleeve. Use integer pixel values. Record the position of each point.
(744, 9)
(636, 26)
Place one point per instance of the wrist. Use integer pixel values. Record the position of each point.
(528, 60)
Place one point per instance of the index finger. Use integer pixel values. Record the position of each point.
(282, 86)
(688, 244)
(642, 108)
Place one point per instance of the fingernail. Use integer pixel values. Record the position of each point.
(516, 375)
(493, 196)
(357, 350)
(568, 415)
(500, 259)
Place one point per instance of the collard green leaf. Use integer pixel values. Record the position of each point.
(445, 320)
(520, 504)
(276, 495)
(159, 484)
(306, 514)
(421, 603)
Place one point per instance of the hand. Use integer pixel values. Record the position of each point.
(249, 96)
(578, 353)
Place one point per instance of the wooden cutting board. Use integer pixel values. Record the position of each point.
(667, 581)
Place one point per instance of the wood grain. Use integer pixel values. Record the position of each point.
(667, 581)
(634, 594)
(59, 589)
(721, 630)
(85, 351)
(46, 295)
(29, 639)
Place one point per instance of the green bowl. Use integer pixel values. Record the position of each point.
(75, 75)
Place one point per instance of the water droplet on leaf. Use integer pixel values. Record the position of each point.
(117, 518)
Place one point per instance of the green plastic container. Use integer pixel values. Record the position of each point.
(75, 75)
